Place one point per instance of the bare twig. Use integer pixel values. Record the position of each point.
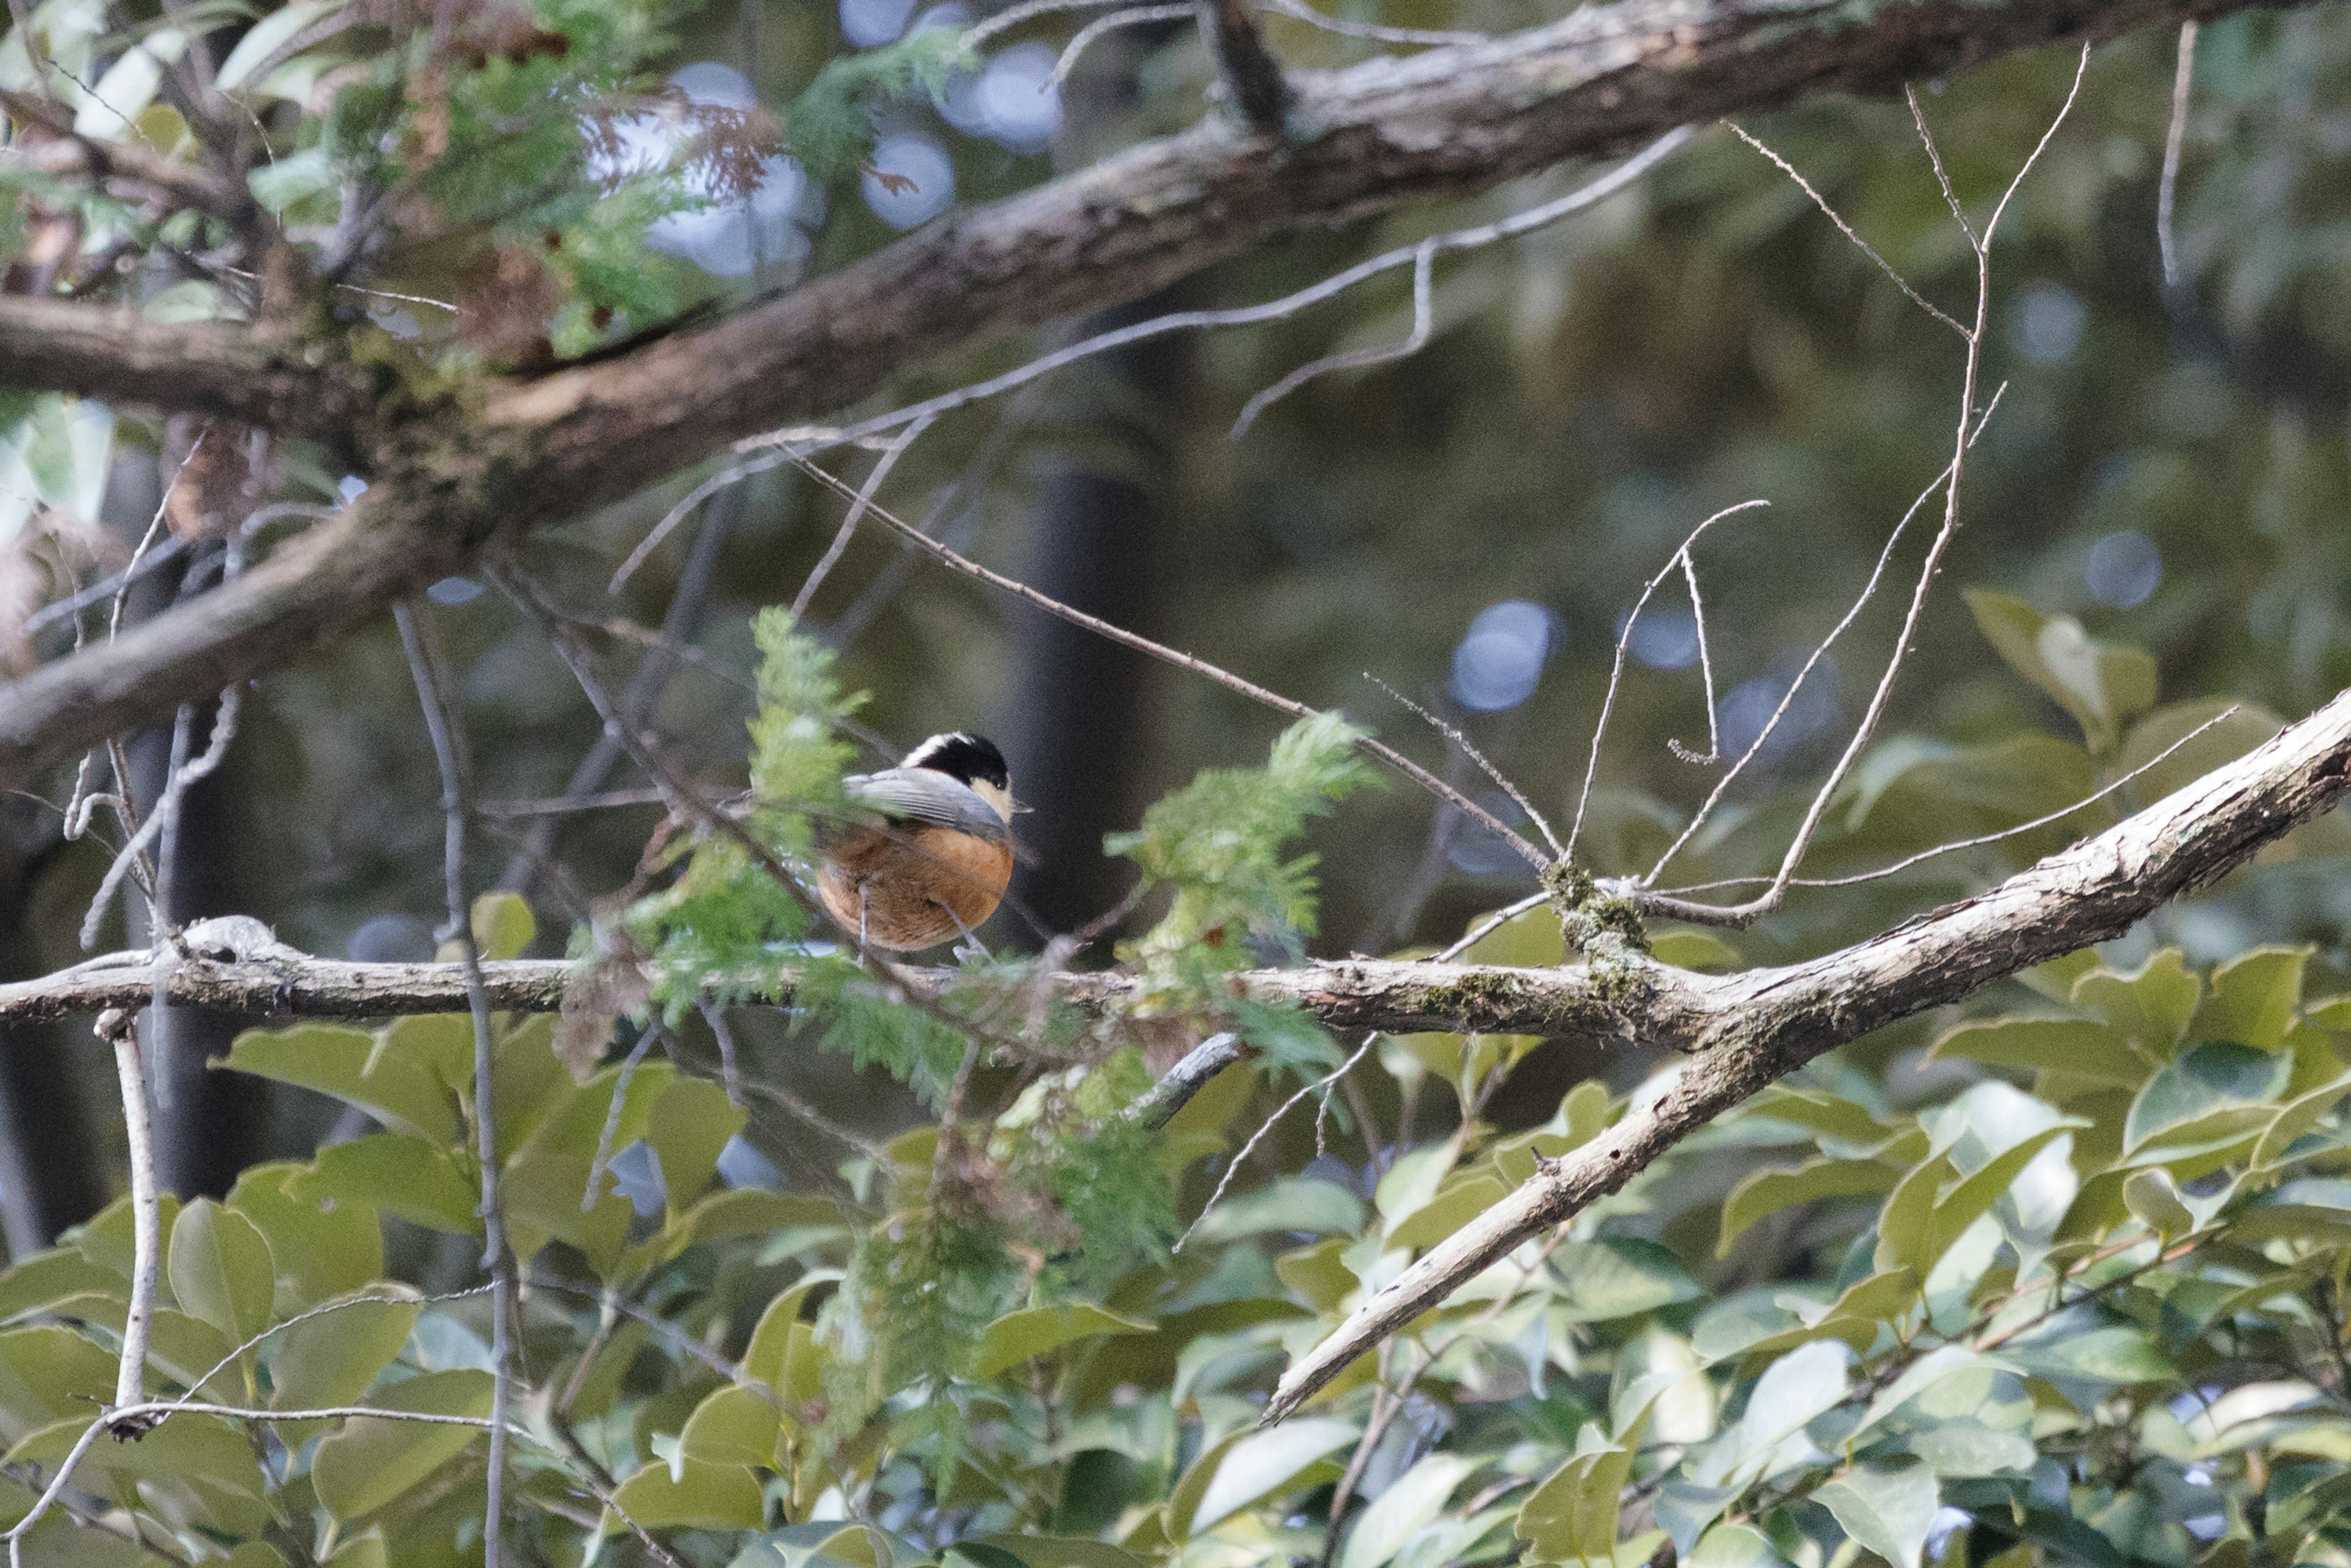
(730, 1071)
(789, 446)
(1617, 668)
(165, 816)
(1424, 262)
(1298, 10)
(120, 1030)
(1233, 1165)
(1906, 861)
(1844, 228)
(1501, 780)
(1820, 650)
(441, 723)
(1012, 17)
(2167, 191)
(1182, 660)
(1706, 672)
(856, 513)
(1132, 16)
(612, 1128)
(1765, 1023)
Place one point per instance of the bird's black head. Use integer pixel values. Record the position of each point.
(966, 759)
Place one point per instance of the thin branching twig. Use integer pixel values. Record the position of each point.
(440, 722)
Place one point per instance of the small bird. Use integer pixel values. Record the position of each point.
(937, 864)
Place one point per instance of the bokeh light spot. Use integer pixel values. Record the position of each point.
(2046, 323)
(2123, 569)
(908, 181)
(1500, 661)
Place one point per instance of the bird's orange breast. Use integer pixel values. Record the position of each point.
(906, 890)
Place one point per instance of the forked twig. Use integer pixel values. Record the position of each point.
(1616, 669)
(1501, 780)
(1956, 845)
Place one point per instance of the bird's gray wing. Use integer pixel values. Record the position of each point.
(924, 797)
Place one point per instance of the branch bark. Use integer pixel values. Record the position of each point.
(1765, 1023)
(190, 367)
(1447, 122)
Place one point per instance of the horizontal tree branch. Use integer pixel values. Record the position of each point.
(1449, 121)
(225, 370)
(174, 182)
(1765, 1023)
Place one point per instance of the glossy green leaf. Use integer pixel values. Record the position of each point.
(2151, 1005)
(320, 1247)
(2102, 685)
(1618, 1277)
(46, 1373)
(2154, 1197)
(734, 1427)
(2254, 998)
(415, 1179)
(503, 925)
(2218, 1075)
(374, 1459)
(697, 1497)
(1768, 1191)
(1021, 1336)
(1461, 1200)
(1315, 1206)
(688, 1126)
(344, 1062)
(334, 1357)
(2075, 1046)
(2114, 1355)
(221, 1269)
(2217, 741)
(1409, 1504)
(1263, 1464)
(1888, 1509)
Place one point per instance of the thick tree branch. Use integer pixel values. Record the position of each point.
(1765, 1023)
(1447, 122)
(190, 367)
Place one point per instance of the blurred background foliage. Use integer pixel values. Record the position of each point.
(1469, 525)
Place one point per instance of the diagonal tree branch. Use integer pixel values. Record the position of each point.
(1765, 1023)
(190, 367)
(1445, 122)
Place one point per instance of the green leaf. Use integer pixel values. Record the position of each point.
(2115, 1355)
(1888, 1510)
(2226, 740)
(1571, 1517)
(503, 925)
(415, 1179)
(1263, 1464)
(1320, 1272)
(2254, 998)
(1021, 1336)
(1529, 940)
(320, 1247)
(1410, 1503)
(344, 1062)
(734, 1427)
(2152, 1195)
(2151, 1004)
(1461, 1199)
(333, 1358)
(45, 1279)
(2077, 1046)
(1733, 1546)
(1692, 949)
(201, 1467)
(2101, 684)
(697, 1497)
(1059, 1551)
(48, 1372)
(221, 1270)
(2217, 1076)
(376, 1459)
(1768, 1191)
(688, 1126)
(1291, 1204)
(1619, 1277)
